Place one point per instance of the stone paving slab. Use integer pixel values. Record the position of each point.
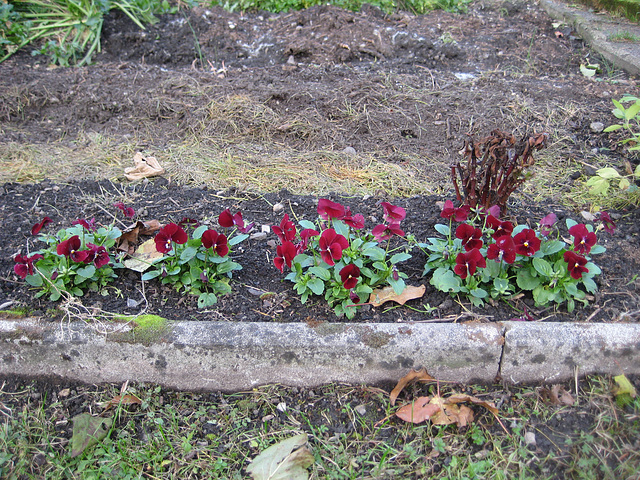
(238, 356)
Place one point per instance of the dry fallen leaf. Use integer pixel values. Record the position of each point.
(449, 413)
(129, 239)
(87, 431)
(413, 376)
(144, 167)
(386, 294)
(142, 258)
(127, 399)
(557, 395)
(418, 411)
(286, 460)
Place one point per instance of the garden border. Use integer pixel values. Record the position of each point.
(238, 356)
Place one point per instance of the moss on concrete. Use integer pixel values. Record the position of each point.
(147, 329)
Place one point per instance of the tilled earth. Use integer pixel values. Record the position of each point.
(402, 90)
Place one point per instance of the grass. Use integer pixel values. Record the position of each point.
(624, 36)
(353, 433)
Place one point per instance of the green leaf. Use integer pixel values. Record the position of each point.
(398, 285)
(187, 254)
(599, 185)
(607, 172)
(525, 280)
(632, 111)
(551, 247)
(286, 460)
(228, 267)
(442, 229)
(237, 239)
(597, 249)
(593, 269)
(374, 253)
(589, 285)
(316, 285)
(624, 183)
(445, 280)
(207, 299)
(86, 272)
(150, 275)
(307, 224)
(88, 431)
(588, 70)
(197, 233)
(321, 272)
(636, 172)
(34, 280)
(400, 257)
(379, 265)
(478, 293)
(612, 128)
(501, 285)
(542, 267)
(341, 228)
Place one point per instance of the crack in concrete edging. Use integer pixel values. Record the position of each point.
(236, 356)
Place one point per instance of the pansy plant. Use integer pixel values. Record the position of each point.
(336, 258)
(74, 260)
(201, 264)
(481, 256)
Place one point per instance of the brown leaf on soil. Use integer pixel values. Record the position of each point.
(413, 376)
(556, 395)
(144, 167)
(459, 398)
(142, 258)
(451, 412)
(127, 399)
(386, 294)
(418, 411)
(129, 238)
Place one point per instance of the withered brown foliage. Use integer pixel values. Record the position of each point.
(495, 166)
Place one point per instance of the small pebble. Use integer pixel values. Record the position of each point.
(361, 409)
(278, 207)
(530, 439)
(597, 127)
(349, 151)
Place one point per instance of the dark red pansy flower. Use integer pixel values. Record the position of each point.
(468, 262)
(127, 211)
(305, 235)
(89, 225)
(575, 264)
(40, 225)
(503, 249)
(499, 227)
(385, 232)
(583, 239)
(331, 246)
(225, 219)
(607, 223)
(285, 254)
(353, 296)
(286, 232)
(460, 214)
(393, 213)
(547, 222)
(24, 264)
(168, 234)
(328, 209)
(98, 255)
(354, 221)
(349, 275)
(471, 236)
(526, 242)
(70, 248)
(217, 241)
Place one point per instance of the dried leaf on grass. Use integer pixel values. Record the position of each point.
(127, 399)
(144, 255)
(387, 294)
(413, 376)
(144, 167)
(443, 411)
(557, 395)
(88, 431)
(418, 411)
(286, 460)
(129, 239)
(623, 390)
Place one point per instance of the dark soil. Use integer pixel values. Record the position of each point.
(24, 205)
(152, 85)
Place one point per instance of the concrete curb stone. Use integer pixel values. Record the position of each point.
(596, 30)
(238, 356)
